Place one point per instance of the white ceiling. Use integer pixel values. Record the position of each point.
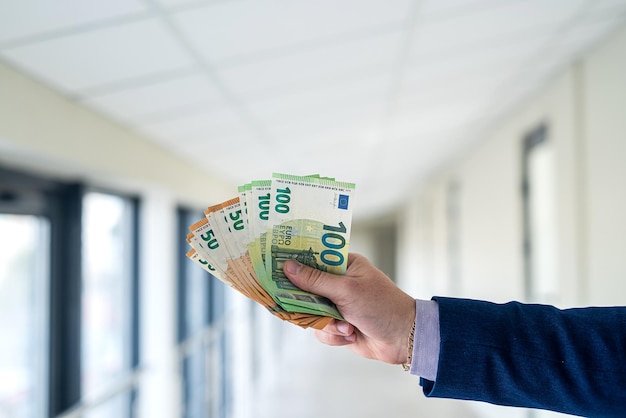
(376, 92)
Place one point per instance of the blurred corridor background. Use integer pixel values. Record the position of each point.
(486, 139)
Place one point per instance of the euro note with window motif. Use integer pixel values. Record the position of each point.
(246, 241)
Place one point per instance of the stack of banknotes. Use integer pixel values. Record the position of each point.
(245, 241)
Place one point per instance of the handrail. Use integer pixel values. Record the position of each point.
(124, 384)
(131, 380)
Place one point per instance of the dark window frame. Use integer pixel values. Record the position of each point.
(532, 139)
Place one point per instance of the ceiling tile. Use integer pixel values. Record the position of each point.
(479, 85)
(25, 18)
(322, 112)
(441, 9)
(233, 29)
(517, 19)
(157, 100)
(430, 119)
(351, 125)
(321, 99)
(201, 124)
(309, 83)
(102, 56)
(316, 67)
(471, 64)
(237, 161)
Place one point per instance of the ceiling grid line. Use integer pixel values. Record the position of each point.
(370, 91)
(401, 62)
(208, 69)
(74, 30)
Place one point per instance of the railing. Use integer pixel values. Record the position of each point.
(126, 384)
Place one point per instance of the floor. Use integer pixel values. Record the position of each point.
(315, 381)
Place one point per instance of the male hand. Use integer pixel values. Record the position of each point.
(378, 315)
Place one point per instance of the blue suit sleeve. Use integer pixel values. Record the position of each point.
(535, 356)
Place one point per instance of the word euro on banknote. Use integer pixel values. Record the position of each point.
(310, 220)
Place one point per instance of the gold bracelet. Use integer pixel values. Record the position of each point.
(409, 358)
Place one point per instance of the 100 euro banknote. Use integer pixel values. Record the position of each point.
(246, 240)
(310, 220)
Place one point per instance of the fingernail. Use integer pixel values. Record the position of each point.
(343, 327)
(292, 267)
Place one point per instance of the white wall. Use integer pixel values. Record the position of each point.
(584, 109)
(604, 93)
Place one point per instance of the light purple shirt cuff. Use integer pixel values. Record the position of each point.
(426, 341)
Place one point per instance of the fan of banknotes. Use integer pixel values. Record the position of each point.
(245, 241)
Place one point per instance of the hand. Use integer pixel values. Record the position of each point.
(378, 315)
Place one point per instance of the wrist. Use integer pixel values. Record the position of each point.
(406, 335)
(409, 356)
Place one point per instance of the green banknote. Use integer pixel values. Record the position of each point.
(258, 212)
(310, 220)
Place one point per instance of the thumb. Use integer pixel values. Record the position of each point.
(309, 279)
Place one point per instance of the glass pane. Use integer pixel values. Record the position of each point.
(106, 295)
(115, 406)
(24, 275)
(195, 385)
(197, 298)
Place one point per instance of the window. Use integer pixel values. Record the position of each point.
(539, 210)
(108, 281)
(68, 299)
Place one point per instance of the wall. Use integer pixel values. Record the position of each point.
(48, 133)
(604, 130)
(583, 108)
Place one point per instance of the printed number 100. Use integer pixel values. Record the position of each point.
(333, 243)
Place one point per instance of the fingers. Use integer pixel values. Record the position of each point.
(337, 327)
(337, 333)
(335, 340)
(309, 279)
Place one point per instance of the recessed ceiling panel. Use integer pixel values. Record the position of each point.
(316, 67)
(516, 20)
(474, 63)
(159, 100)
(435, 118)
(441, 9)
(210, 122)
(321, 99)
(363, 115)
(346, 88)
(24, 18)
(102, 56)
(228, 30)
